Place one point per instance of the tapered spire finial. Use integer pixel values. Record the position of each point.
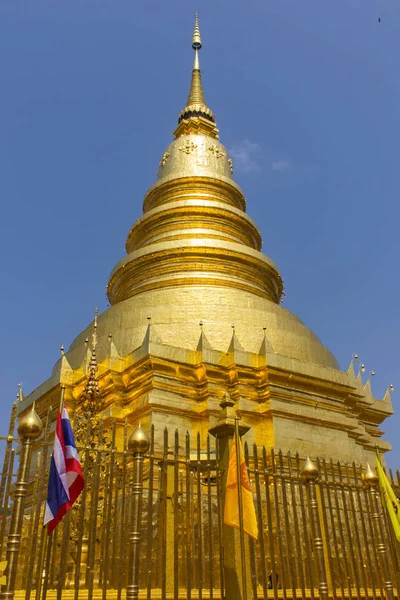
(196, 108)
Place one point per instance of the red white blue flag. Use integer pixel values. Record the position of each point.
(66, 477)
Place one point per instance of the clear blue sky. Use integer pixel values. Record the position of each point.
(307, 97)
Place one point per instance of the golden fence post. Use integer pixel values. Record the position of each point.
(138, 444)
(310, 475)
(371, 481)
(29, 429)
(234, 574)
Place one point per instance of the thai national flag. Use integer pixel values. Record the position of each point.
(66, 478)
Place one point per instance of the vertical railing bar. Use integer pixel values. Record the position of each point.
(128, 523)
(296, 526)
(252, 543)
(188, 522)
(269, 481)
(164, 483)
(115, 542)
(64, 556)
(199, 520)
(323, 485)
(93, 518)
(287, 525)
(182, 514)
(106, 504)
(210, 524)
(358, 541)
(260, 522)
(370, 511)
(333, 529)
(278, 525)
(219, 510)
(29, 554)
(364, 531)
(123, 525)
(158, 524)
(53, 563)
(81, 520)
(348, 530)
(115, 577)
(108, 513)
(306, 530)
(149, 549)
(46, 577)
(41, 552)
(176, 514)
(341, 534)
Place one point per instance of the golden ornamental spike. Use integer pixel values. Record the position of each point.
(370, 477)
(94, 334)
(310, 471)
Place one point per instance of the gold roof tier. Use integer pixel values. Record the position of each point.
(177, 311)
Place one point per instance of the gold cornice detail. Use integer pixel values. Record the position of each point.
(185, 218)
(186, 188)
(196, 124)
(156, 385)
(223, 264)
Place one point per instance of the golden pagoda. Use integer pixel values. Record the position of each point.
(195, 311)
(194, 352)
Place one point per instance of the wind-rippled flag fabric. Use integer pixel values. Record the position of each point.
(66, 477)
(389, 499)
(231, 510)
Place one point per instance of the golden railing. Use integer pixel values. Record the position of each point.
(320, 535)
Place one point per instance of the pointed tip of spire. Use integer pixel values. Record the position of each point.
(235, 345)
(350, 370)
(196, 107)
(196, 41)
(203, 343)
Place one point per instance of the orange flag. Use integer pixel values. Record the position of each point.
(231, 511)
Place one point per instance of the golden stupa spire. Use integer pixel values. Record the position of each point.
(196, 94)
(194, 230)
(196, 116)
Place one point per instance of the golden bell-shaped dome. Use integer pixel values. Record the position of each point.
(196, 255)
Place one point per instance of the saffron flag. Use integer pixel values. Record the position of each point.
(66, 477)
(231, 510)
(389, 499)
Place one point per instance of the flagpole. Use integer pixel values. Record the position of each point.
(62, 399)
(241, 529)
